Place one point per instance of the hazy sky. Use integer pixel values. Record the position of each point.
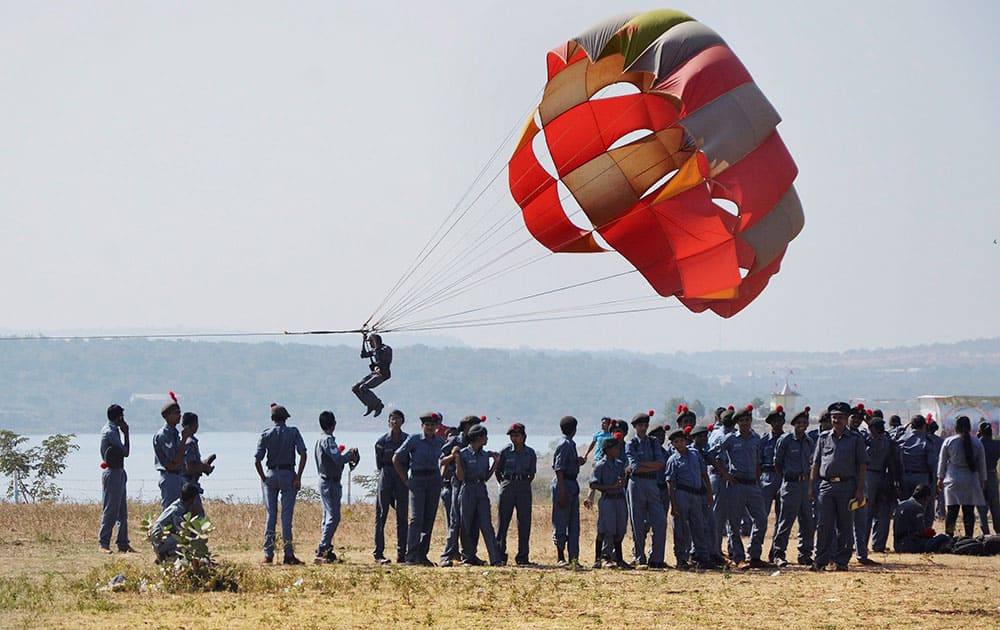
(272, 166)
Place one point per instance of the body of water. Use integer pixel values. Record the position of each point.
(234, 477)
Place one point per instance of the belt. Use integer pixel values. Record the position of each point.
(515, 477)
(568, 478)
(424, 473)
(281, 467)
(617, 496)
(802, 477)
(746, 482)
(837, 479)
(646, 475)
(916, 472)
(690, 489)
(768, 469)
(115, 467)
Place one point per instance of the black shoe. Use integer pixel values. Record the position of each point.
(683, 566)
(805, 561)
(370, 409)
(384, 560)
(868, 562)
(378, 410)
(816, 567)
(840, 567)
(426, 563)
(291, 559)
(473, 562)
(525, 563)
(657, 565)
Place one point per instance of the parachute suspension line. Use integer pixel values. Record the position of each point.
(454, 325)
(176, 335)
(530, 297)
(429, 275)
(450, 291)
(431, 244)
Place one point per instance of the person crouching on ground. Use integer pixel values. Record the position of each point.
(168, 523)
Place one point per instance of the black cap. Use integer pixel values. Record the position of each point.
(877, 424)
(609, 443)
(802, 415)
(477, 431)
(517, 427)
(115, 410)
(429, 416)
(839, 407)
(619, 426)
(778, 414)
(468, 421)
(698, 430)
(640, 417)
(746, 412)
(679, 433)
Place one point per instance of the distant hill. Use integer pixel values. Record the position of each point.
(52, 385)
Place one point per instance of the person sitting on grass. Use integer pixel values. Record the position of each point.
(909, 532)
(163, 533)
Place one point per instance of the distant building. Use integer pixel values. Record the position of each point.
(786, 398)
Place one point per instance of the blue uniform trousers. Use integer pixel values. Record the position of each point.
(170, 487)
(115, 508)
(446, 502)
(363, 390)
(770, 492)
(795, 506)
(454, 521)
(745, 498)
(720, 512)
(833, 530)
(514, 494)
(424, 491)
(330, 492)
(880, 505)
(391, 493)
(476, 520)
(566, 521)
(612, 521)
(277, 482)
(689, 527)
(647, 508)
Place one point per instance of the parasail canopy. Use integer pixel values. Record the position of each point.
(659, 134)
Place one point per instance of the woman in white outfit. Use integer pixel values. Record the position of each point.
(961, 475)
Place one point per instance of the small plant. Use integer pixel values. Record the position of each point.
(31, 471)
(191, 567)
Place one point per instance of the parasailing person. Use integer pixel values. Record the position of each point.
(379, 356)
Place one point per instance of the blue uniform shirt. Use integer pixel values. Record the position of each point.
(423, 454)
(642, 451)
(476, 466)
(517, 463)
(173, 516)
(793, 455)
(385, 447)
(992, 450)
(449, 446)
(607, 472)
(329, 459)
(686, 470)
(768, 442)
(192, 455)
(742, 454)
(112, 447)
(714, 441)
(840, 457)
(880, 452)
(915, 452)
(564, 459)
(166, 441)
(280, 443)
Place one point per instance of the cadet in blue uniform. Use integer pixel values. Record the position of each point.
(194, 466)
(770, 482)
(113, 496)
(379, 358)
(690, 490)
(860, 516)
(880, 487)
(793, 457)
(935, 509)
(645, 459)
(609, 479)
(447, 463)
(909, 533)
(330, 460)
(716, 474)
(168, 523)
(279, 444)
(896, 428)
(472, 466)
(919, 460)
(422, 453)
(391, 491)
(699, 442)
(840, 464)
(515, 472)
(566, 496)
(991, 492)
(168, 453)
(742, 451)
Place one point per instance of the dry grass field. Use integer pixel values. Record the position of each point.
(51, 574)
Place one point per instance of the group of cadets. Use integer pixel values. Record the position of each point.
(841, 484)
